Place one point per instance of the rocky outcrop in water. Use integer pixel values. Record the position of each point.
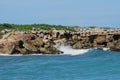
(48, 42)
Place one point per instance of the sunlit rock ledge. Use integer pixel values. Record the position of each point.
(49, 41)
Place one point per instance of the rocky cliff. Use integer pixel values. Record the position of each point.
(49, 41)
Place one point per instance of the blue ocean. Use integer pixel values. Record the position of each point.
(90, 65)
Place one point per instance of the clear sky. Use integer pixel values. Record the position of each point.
(64, 12)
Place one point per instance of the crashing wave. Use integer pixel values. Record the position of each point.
(106, 49)
(69, 51)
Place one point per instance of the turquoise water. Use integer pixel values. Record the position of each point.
(93, 65)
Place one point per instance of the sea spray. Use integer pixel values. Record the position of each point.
(2, 54)
(69, 51)
(106, 49)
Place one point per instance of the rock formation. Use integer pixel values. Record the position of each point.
(48, 41)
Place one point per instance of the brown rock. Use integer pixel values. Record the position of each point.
(51, 50)
(7, 48)
(77, 45)
(38, 42)
(29, 46)
(110, 44)
(19, 50)
(115, 48)
(100, 39)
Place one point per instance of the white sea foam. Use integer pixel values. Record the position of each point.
(35, 54)
(1, 54)
(106, 49)
(69, 51)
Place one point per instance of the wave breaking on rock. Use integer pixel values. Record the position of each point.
(70, 51)
(50, 41)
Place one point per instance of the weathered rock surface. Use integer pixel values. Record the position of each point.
(7, 48)
(48, 42)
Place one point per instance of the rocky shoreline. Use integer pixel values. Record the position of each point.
(49, 41)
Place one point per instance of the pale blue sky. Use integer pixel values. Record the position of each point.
(64, 12)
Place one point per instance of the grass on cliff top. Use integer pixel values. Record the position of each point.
(25, 27)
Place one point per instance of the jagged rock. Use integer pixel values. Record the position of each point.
(115, 48)
(47, 45)
(29, 46)
(82, 45)
(74, 37)
(100, 39)
(110, 44)
(7, 48)
(38, 42)
(51, 50)
(87, 45)
(16, 36)
(77, 45)
(46, 51)
(20, 50)
(48, 42)
(42, 50)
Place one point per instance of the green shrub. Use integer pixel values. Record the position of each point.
(25, 27)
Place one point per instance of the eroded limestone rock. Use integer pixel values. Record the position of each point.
(48, 42)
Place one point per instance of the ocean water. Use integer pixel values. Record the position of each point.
(88, 65)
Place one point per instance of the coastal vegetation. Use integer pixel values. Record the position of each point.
(25, 27)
